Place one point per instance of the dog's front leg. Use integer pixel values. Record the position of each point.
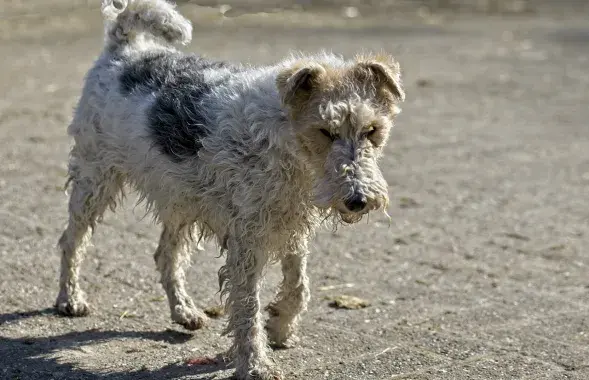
(242, 277)
(291, 301)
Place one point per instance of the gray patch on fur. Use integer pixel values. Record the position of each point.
(176, 120)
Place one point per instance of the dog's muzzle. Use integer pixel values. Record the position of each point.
(357, 205)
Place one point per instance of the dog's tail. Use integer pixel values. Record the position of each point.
(126, 20)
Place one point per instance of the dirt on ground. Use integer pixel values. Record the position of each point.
(482, 272)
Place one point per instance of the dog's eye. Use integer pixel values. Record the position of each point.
(326, 133)
(370, 131)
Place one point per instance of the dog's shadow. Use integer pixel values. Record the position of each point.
(30, 357)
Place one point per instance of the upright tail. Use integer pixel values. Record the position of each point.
(125, 20)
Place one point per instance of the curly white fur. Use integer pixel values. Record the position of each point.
(264, 174)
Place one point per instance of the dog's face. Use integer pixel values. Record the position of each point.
(342, 117)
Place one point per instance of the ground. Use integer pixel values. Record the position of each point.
(482, 272)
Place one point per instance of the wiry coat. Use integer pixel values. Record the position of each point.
(225, 151)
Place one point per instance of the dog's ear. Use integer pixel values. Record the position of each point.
(382, 71)
(296, 84)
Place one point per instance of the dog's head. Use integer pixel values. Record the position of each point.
(342, 115)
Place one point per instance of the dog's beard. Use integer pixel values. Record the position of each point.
(350, 218)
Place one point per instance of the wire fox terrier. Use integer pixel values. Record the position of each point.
(255, 157)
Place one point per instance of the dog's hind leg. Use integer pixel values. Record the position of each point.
(291, 300)
(93, 190)
(171, 258)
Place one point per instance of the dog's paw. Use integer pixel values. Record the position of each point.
(190, 318)
(266, 375)
(72, 306)
(280, 333)
(283, 344)
(261, 373)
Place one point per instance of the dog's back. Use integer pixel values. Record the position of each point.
(142, 90)
(132, 27)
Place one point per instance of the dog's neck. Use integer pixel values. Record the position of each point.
(267, 118)
(264, 113)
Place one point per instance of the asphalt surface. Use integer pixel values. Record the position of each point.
(482, 272)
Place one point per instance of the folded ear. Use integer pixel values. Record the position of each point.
(297, 84)
(384, 72)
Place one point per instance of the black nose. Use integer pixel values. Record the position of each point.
(356, 203)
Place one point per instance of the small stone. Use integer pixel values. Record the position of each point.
(348, 302)
(423, 82)
(224, 8)
(351, 12)
(215, 311)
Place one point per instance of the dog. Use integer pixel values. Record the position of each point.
(255, 158)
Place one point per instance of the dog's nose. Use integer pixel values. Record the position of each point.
(356, 203)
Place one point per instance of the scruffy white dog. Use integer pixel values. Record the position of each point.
(256, 157)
